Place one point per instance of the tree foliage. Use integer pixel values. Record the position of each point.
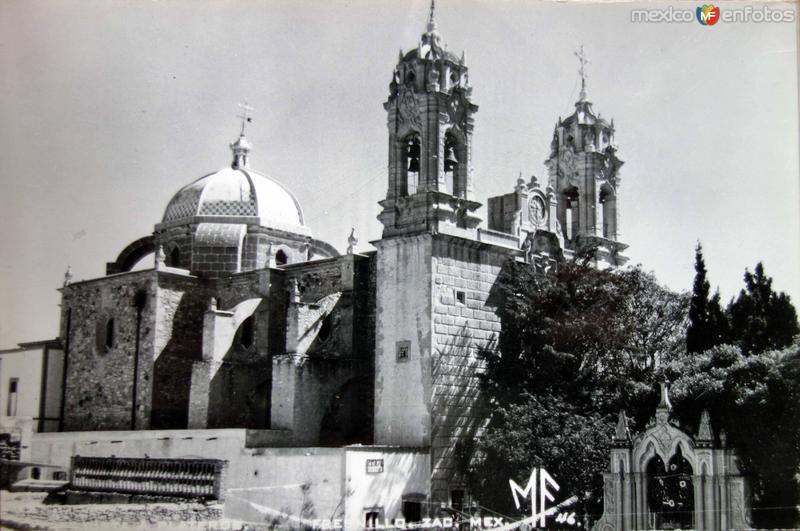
(760, 318)
(579, 345)
(755, 400)
(708, 325)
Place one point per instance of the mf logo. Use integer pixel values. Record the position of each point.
(538, 489)
(707, 14)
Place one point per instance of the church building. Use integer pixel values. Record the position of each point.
(345, 382)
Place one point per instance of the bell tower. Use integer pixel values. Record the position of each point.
(430, 121)
(583, 169)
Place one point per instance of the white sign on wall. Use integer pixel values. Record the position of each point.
(374, 466)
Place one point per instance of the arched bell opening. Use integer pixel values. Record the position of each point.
(606, 212)
(452, 165)
(411, 164)
(571, 221)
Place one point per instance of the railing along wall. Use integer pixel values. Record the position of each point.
(188, 478)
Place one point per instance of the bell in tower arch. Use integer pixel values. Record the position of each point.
(450, 159)
(412, 154)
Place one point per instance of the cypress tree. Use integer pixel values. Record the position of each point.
(707, 322)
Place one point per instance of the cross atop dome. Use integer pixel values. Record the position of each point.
(241, 148)
(582, 71)
(246, 118)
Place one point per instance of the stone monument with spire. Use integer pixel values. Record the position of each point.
(667, 478)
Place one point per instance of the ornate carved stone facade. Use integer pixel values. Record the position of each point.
(664, 478)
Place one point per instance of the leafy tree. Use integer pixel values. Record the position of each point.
(707, 323)
(543, 431)
(755, 400)
(580, 344)
(760, 318)
(577, 346)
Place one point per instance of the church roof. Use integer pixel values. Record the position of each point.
(238, 192)
(430, 46)
(584, 115)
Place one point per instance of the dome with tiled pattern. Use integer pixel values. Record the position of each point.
(237, 192)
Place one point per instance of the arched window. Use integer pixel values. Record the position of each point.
(451, 164)
(412, 153)
(325, 329)
(607, 213)
(247, 333)
(281, 258)
(670, 492)
(104, 335)
(571, 213)
(109, 339)
(174, 259)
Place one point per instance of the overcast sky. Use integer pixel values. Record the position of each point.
(108, 108)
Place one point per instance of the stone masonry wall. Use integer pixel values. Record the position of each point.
(99, 381)
(403, 341)
(181, 304)
(463, 325)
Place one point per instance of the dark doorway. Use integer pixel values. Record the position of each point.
(671, 492)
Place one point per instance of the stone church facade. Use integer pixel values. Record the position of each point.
(247, 322)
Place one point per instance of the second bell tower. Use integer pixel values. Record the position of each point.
(430, 121)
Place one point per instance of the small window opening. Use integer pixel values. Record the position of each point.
(403, 348)
(412, 511)
(11, 406)
(109, 342)
(281, 258)
(59, 475)
(36, 473)
(325, 329)
(461, 297)
(246, 337)
(371, 519)
(174, 257)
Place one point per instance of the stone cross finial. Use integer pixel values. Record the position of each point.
(244, 114)
(161, 257)
(68, 276)
(582, 70)
(352, 241)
